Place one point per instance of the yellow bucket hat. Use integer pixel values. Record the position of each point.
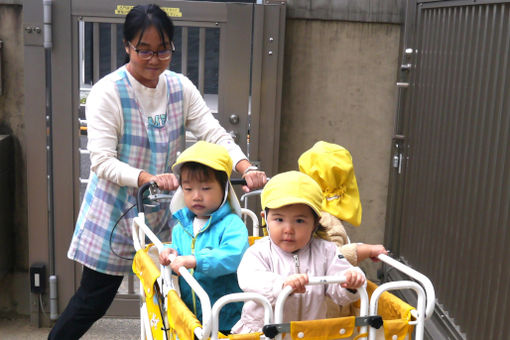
(212, 155)
(331, 166)
(292, 187)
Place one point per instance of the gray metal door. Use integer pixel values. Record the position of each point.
(450, 193)
(232, 51)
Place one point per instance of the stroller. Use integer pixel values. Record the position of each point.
(163, 315)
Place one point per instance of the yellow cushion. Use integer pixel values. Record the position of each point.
(337, 328)
(146, 270)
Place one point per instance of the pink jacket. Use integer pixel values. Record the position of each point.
(265, 267)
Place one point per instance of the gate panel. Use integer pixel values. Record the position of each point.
(456, 196)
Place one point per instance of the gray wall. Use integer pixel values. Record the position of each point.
(14, 286)
(339, 86)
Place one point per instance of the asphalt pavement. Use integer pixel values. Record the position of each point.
(103, 329)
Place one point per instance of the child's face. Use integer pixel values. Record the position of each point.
(291, 226)
(201, 197)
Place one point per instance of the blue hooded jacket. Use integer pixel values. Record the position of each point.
(218, 249)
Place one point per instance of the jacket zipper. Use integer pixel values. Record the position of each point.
(193, 296)
(296, 263)
(192, 271)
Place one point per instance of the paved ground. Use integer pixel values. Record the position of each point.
(104, 329)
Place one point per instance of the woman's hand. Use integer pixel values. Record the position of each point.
(297, 282)
(166, 181)
(255, 179)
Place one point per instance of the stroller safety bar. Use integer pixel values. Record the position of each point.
(398, 285)
(238, 297)
(422, 279)
(319, 280)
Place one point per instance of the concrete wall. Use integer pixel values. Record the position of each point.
(339, 86)
(14, 286)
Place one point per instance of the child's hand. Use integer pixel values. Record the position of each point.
(188, 262)
(354, 279)
(376, 250)
(164, 256)
(371, 251)
(297, 282)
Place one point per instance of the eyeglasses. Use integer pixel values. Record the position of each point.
(147, 54)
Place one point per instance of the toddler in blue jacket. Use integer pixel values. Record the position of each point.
(210, 238)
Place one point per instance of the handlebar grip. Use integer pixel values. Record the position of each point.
(238, 181)
(141, 191)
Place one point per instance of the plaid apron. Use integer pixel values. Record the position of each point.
(145, 144)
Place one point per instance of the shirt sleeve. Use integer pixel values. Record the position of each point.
(337, 264)
(224, 259)
(200, 121)
(255, 275)
(104, 128)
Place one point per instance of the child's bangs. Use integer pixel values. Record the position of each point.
(196, 172)
(202, 173)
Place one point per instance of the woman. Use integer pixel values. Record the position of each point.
(136, 118)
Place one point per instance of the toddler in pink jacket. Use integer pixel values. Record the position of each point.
(291, 204)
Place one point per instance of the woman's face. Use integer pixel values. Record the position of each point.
(147, 71)
(291, 227)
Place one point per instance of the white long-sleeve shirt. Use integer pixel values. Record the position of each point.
(265, 267)
(105, 124)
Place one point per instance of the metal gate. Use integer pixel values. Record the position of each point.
(240, 80)
(450, 185)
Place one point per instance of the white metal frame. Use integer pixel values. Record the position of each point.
(210, 315)
(319, 280)
(424, 290)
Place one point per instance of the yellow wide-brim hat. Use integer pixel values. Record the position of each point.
(212, 155)
(331, 166)
(291, 187)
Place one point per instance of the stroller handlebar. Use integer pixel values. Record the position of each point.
(141, 191)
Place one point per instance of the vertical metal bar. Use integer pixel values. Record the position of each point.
(131, 283)
(81, 51)
(490, 189)
(478, 148)
(1, 63)
(95, 52)
(113, 46)
(201, 60)
(501, 197)
(463, 81)
(439, 137)
(184, 53)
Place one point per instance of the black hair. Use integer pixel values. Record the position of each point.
(201, 173)
(141, 17)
